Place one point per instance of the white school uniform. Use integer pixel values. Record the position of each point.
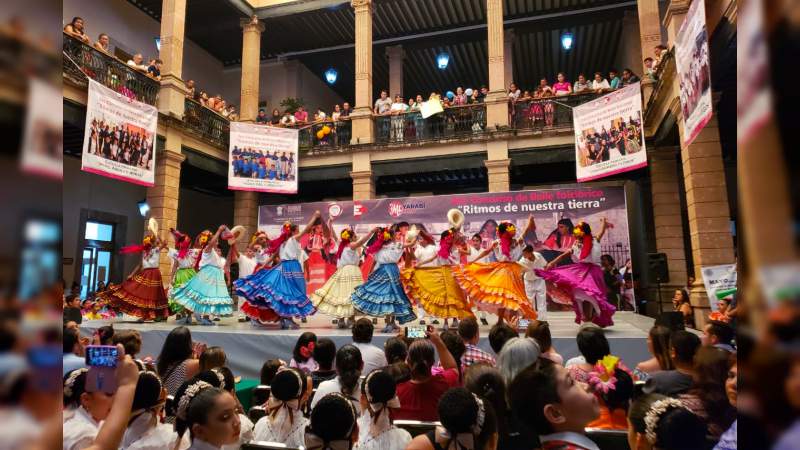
(535, 287)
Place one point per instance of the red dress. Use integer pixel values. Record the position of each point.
(143, 294)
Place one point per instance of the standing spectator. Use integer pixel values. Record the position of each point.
(659, 51)
(337, 111)
(262, 116)
(373, 357)
(75, 29)
(683, 346)
(301, 115)
(649, 68)
(233, 116)
(190, 89)
(275, 118)
(513, 92)
(288, 119)
(582, 84)
(177, 362)
(483, 93)
(72, 357)
(628, 77)
(398, 110)
(346, 111)
(320, 115)
(599, 82)
(383, 107)
(102, 43)
(460, 98)
(137, 61)
(470, 332)
(72, 310)
(612, 278)
(562, 86)
(154, 69)
(615, 82)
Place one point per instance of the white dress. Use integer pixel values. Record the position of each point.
(473, 256)
(280, 430)
(423, 254)
(141, 434)
(291, 249)
(211, 258)
(80, 429)
(389, 438)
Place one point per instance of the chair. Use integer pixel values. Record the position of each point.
(256, 413)
(264, 445)
(416, 427)
(260, 395)
(609, 439)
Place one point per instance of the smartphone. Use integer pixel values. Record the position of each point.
(417, 332)
(523, 324)
(102, 362)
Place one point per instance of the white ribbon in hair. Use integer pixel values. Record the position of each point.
(69, 383)
(654, 414)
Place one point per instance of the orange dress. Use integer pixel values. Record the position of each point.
(610, 420)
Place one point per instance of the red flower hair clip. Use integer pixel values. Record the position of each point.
(307, 351)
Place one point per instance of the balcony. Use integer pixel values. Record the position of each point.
(548, 114)
(454, 123)
(206, 123)
(81, 60)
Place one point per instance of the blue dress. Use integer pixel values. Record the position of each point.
(206, 292)
(382, 294)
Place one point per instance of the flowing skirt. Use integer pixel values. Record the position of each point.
(333, 298)
(582, 282)
(274, 293)
(382, 294)
(495, 286)
(205, 293)
(182, 276)
(437, 291)
(142, 296)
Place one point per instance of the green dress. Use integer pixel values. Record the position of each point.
(185, 273)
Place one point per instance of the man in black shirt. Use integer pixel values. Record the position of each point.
(72, 310)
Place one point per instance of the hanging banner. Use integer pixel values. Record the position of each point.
(719, 279)
(43, 141)
(609, 138)
(754, 101)
(262, 158)
(120, 135)
(694, 71)
(482, 212)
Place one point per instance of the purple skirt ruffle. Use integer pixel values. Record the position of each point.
(588, 279)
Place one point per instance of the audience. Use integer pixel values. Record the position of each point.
(73, 357)
(222, 377)
(593, 346)
(373, 357)
(656, 422)
(262, 116)
(303, 353)
(269, 369)
(284, 421)
(154, 69)
(539, 330)
(72, 310)
(211, 358)
(470, 333)
(720, 335)
(658, 346)
(582, 85)
(208, 413)
(628, 77)
(465, 419)
(333, 424)
(517, 354)
(85, 410)
(599, 83)
(728, 439)
(613, 385)
(615, 82)
(137, 61)
(378, 398)
(682, 347)
(500, 333)
(707, 397)
(177, 362)
(75, 29)
(324, 354)
(680, 301)
(396, 352)
(349, 366)
(145, 432)
(455, 345)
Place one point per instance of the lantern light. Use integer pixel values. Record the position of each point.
(442, 60)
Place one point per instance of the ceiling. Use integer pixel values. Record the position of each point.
(324, 38)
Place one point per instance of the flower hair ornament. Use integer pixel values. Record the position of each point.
(220, 377)
(346, 234)
(657, 409)
(602, 378)
(188, 395)
(69, 383)
(446, 243)
(463, 441)
(578, 230)
(307, 351)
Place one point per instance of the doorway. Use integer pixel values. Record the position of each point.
(97, 256)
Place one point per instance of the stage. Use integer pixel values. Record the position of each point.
(248, 346)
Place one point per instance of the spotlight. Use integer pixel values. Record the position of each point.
(158, 44)
(566, 40)
(331, 75)
(144, 208)
(442, 60)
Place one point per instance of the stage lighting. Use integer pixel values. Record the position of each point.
(442, 60)
(566, 40)
(144, 208)
(158, 44)
(331, 75)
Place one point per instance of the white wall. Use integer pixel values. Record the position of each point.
(134, 31)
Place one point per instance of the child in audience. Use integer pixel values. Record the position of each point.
(500, 333)
(208, 413)
(227, 382)
(539, 330)
(348, 371)
(144, 431)
(613, 386)
(212, 357)
(303, 353)
(332, 424)
(419, 397)
(656, 422)
(284, 422)
(376, 431)
(270, 369)
(467, 422)
(324, 354)
(593, 345)
(84, 410)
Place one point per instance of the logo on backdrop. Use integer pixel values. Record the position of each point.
(359, 209)
(396, 209)
(335, 210)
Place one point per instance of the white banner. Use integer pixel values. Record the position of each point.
(43, 142)
(120, 135)
(694, 71)
(263, 158)
(609, 138)
(716, 279)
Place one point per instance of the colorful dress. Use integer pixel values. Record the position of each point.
(143, 294)
(582, 282)
(436, 289)
(184, 273)
(206, 292)
(333, 298)
(497, 285)
(279, 291)
(382, 294)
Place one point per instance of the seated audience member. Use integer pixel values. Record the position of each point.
(728, 440)
(593, 346)
(84, 410)
(208, 413)
(73, 357)
(269, 369)
(719, 335)
(500, 333)
(262, 117)
(707, 397)
(284, 421)
(131, 341)
(517, 355)
(547, 399)
(455, 345)
(658, 346)
(303, 353)
(582, 84)
(419, 396)
(348, 371)
(222, 377)
(177, 363)
(333, 424)
(395, 350)
(145, 432)
(721, 314)
(615, 82)
(466, 419)
(656, 422)
(628, 77)
(613, 385)
(324, 354)
(378, 397)
(103, 335)
(682, 347)
(72, 309)
(373, 357)
(599, 83)
(154, 69)
(470, 332)
(539, 330)
(211, 358)
(75, 29)
(681, 303)
(137, 62)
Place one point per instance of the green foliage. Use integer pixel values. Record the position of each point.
(291, 103)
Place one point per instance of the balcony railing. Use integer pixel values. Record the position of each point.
(206, 123)
(326, 135)
(453, 123)
(107, 70)
(551, 113)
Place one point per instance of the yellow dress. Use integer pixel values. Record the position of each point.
(436, 289)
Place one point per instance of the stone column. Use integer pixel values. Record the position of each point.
(496, 101)
(395, 55)
(173, 90)
(497, 166)
(361, 118)
(649, 27)
(508, 57)
(245, 213)
(363, 179)
(251, 62)
(673, 19)
(163, 196)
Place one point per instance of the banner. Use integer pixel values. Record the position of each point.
(609, 138)
(430, 108)
(43, 141)
(694, 71)
(754, 100)
(262, 158)
(483, 212)
(718, 279)
(120, 135)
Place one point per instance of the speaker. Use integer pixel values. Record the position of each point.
(658, 267)
(672, 320)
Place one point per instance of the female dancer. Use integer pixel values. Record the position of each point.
(207, 292)
(183, 270)
(142, 294)
(382, 294)
(583, 280)
(424, 253)
(498, 286)
(280, 292)
(333, 298)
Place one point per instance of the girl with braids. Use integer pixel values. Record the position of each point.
(280, 292)
(144, 431)
(333, 298)
(376, 431)
(141, 294)
(349, 364)
(498, 287)
(332, 425)
(284, 421)
(183, 262)
(582, 281)
(206, 293)
(208, 413)
(468, 423)
(84, 411)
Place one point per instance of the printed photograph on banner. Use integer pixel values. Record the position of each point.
(609, 138)
(694, 71)
(262, 158)
(119, 138)
(43, 141)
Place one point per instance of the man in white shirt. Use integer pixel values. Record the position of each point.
(398, 109)
(373, 357)
(73, 351)
(137, 62)
(535, 287)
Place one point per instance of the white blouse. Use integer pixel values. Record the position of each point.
(293, 436)
(593, 256)
(80, 430)
(143, 435)
(245, 433)
(290, 249)
(211, 258)
(247, 266)
(529, 274)
(424, 254)
(473, 254)
(349, 257)
(515, 252)
(392, 438)
(389, 254)
(150, 258)
(187, 261)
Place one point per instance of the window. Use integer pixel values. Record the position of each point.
(97, 231)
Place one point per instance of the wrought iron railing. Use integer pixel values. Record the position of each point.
(454, 122)
(621, 253)
(206, 123)
(82, 60)
(325, 135)
(550, 113)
